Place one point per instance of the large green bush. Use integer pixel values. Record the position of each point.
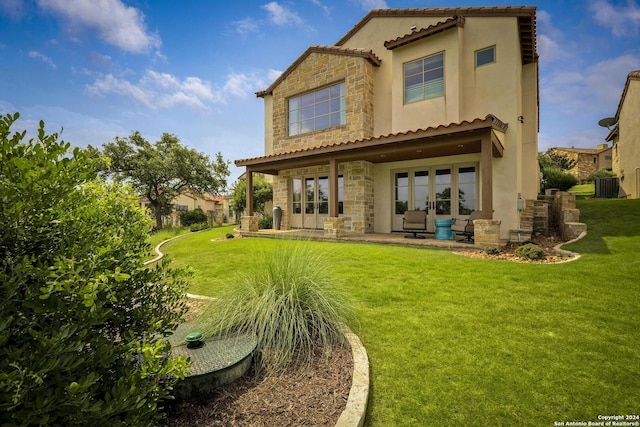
(601, 173)
(556, 178)
(81, 320)
(196, 216)
(265, 221)
(289, 300)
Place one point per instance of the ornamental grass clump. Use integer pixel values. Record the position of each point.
(290, 301)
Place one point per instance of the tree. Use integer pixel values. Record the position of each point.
(163, 170)
(551, 159)
(82, 322)
(262, 193)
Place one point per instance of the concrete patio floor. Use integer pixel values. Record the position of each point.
(397, 239)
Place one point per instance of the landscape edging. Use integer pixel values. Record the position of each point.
(356, 410)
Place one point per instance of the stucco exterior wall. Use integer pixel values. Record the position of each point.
(628, 142)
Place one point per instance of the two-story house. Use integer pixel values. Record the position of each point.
(587, 160)
(626, 138)
(432, 109)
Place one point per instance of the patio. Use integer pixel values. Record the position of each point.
(396, 239)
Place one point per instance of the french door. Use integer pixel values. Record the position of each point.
(310, 201)
(430, 189)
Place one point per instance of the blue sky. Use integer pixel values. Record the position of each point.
(104, 68)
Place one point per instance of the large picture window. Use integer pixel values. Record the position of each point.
(321, 109)
(424, 78)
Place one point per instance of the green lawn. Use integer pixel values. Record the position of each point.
(583, 190)
(459, 341)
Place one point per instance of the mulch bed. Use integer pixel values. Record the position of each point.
(547, 243)
(312, 396)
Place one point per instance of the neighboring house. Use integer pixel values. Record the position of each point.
(432, 109)
(588, 160)
(626, 138)
(214, 206)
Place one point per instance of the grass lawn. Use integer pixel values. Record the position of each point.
(459, 341)
(583, 190)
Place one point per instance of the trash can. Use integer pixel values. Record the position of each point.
(277, 217)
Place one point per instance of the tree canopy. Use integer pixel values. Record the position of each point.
(262, 193)
(163, 170)
(553, 160)
(82, 321)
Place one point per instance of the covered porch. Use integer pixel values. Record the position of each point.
(485, 137)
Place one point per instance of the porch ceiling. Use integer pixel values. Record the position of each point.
(452, 139)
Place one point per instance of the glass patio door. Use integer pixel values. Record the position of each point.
(428, 189)
(316, 202)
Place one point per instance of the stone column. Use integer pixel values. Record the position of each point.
(486, 232)
(249, 224)
(333, 227)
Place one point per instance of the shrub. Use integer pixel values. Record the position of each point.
(491, 250)
(288, 300)
(199, 227)
(265, 221)
(556, 178)
(196, 216)
(530, 251)
(601, 173)
(81, 321)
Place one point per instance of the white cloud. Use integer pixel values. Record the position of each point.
(281, 15)
(156, 90)
(549, 38)
(587, 91)
(110, 84)
(372, 4)
(117, 24)
(238, 85)
(326, 9)
(14, 9)
(246, 26)
(44, 58)
(621, 20)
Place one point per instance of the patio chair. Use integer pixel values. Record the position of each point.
(415, 222)
(465, 227)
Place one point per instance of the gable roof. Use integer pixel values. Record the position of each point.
(456, 21)
(526, 22)
(333, 50)
(580, 150)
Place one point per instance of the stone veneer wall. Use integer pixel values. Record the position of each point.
(317, 71)
(358, 194)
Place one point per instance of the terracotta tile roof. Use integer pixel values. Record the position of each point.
(456, 21)
(489, 121)
(526, 22)
(582, 150)
(332, 50)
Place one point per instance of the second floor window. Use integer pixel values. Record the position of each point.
(424, 78)
(317, 110)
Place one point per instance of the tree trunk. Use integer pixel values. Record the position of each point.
(157, 208)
